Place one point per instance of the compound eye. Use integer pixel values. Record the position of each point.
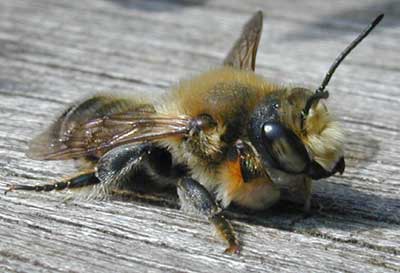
(283, 149)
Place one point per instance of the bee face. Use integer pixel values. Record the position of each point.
(275, 130)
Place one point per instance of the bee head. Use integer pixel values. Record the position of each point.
(275, 129)
(295, 133)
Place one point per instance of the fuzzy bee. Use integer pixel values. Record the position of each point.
(225, 136)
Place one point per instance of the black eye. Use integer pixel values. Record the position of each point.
(283, 149)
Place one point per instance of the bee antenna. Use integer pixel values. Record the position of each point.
(314, 98)
(347, 50)
(320, 93)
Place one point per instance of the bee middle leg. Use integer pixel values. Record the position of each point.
(196, 198)
(307, 195)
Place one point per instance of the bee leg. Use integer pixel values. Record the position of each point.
(78, 181)
(152, 198)
(117, 164)
(307, 195)
(194, 197)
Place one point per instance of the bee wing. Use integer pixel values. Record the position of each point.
(243, 53)
(96, 136)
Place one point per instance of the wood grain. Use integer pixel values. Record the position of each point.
(55, 52)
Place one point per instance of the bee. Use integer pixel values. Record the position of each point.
(224, 136)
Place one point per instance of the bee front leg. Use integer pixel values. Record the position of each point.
(194, 197)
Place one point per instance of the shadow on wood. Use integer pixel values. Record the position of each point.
(157, 5)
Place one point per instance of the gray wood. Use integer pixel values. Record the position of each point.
(55, 52)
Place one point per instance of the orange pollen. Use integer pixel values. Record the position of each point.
(235, 173)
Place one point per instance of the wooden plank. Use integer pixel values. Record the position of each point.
(53, 53)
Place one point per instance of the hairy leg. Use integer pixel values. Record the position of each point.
(195, 198)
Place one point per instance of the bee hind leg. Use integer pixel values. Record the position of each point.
(81, 180)
(194, 197)
(146, 161)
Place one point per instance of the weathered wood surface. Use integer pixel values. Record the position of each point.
(55, 52)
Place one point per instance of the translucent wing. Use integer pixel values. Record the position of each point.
(85, 131)
(243, 53)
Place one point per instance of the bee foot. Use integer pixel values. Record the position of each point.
(10, 187)
(16, 187)
(233, 249)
